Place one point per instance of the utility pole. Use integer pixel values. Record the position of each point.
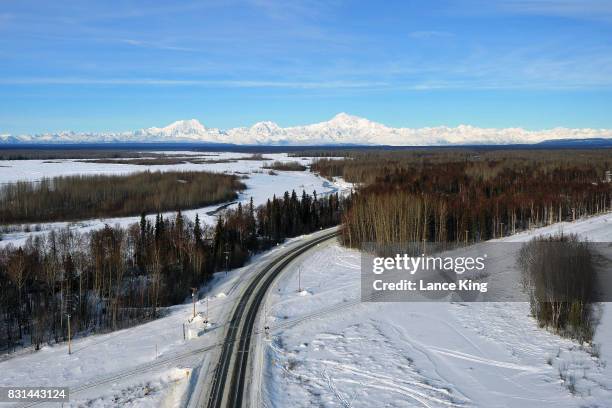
(206, 321)
(69, 340)
(266, 327)
(193, 292)
(300, 279)
(226, 258)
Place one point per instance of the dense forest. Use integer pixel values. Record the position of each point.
(90, 196)
(366, 167)
(467, 196)
(116, 277)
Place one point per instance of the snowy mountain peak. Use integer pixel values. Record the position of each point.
(342, 129)
(344, 117)
(182, 130)
(266, 126)
(345, 120)
(179, 127)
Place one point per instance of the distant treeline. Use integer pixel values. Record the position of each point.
(61, 154)
(90, 196)
(116, 277)
(467, 196)
(162, 160)
(367, 167)
(144, 161)
(285, 166)
(170, 159)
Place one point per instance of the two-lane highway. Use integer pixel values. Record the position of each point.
(228, 383)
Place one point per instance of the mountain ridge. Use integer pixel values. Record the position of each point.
(342, 129)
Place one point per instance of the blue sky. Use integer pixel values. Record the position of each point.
(105, 65)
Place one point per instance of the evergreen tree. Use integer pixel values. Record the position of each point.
(197, 231)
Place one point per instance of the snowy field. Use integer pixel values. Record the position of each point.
(328, 349)
(260, 184)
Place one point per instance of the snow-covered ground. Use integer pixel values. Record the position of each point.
(326, 348)
(261, 185)
(150, 365)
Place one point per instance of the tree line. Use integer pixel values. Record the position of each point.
(116, 277)
(459, 198)
(285, 166)
(76, 197)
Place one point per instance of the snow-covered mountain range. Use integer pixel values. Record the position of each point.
(342, 129)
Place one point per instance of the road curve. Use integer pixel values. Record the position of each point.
(228, 383)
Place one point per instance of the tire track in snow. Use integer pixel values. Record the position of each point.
(485, 361)
(415, 389)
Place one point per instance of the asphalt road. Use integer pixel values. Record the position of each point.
(228, 384)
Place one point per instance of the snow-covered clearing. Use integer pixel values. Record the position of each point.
(148, 365)
(261, 185)
(326, 348)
